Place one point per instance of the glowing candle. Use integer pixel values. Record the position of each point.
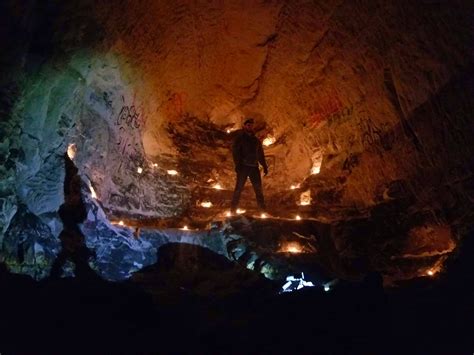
(71, 151)
(93, 194)
(206, 204)
(269, 140)
(305, 198)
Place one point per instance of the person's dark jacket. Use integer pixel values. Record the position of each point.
(247, 151)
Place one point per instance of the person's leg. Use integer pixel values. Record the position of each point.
(256, 180)
(239, 186)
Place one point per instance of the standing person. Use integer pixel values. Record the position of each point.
(247, 152)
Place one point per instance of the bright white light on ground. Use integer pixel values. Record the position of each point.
(185, 228)
(71, 151)
(293, 283)
(121, 223)
(206, 204)
(327, 288)
(305, 198)
(430, 272)
(293, 187)
(263, 215)
(269, 140)
(139, 170)
(228, 214)
(240, 211)
(217, 186)
(172, 172)
(298, 218)
(228, 131)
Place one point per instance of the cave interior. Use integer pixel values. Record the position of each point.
(118, 121)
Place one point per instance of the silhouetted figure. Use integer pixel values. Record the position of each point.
(72, 212)
(247, 152)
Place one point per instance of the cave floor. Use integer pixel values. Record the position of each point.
(218, 308)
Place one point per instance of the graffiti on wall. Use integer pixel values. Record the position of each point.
(375, 136)
(328, 106)
(130, 118)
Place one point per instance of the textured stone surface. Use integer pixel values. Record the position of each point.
(379, 93)
(117, 252)
(29, 245)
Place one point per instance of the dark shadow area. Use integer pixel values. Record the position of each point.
(72, 212)
(180, 305)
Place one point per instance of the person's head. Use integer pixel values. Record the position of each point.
(248, 125)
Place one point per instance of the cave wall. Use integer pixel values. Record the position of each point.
(380, 92)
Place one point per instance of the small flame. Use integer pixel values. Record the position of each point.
(228, 214)
(263, 215)
(297, 186)
(240, 211)
(228, 131)
(298, 218)
(121, 223)
(269, 140)
(292, 247)
(315, 170)
(430, 272)
(172, 172)
(217, 186)
(139, 170)
(185, 228)
(155, 165)
(93, 194)
(305, 198)
(206, 204)
(71, 151)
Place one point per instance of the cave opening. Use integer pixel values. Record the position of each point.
(364, 113)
